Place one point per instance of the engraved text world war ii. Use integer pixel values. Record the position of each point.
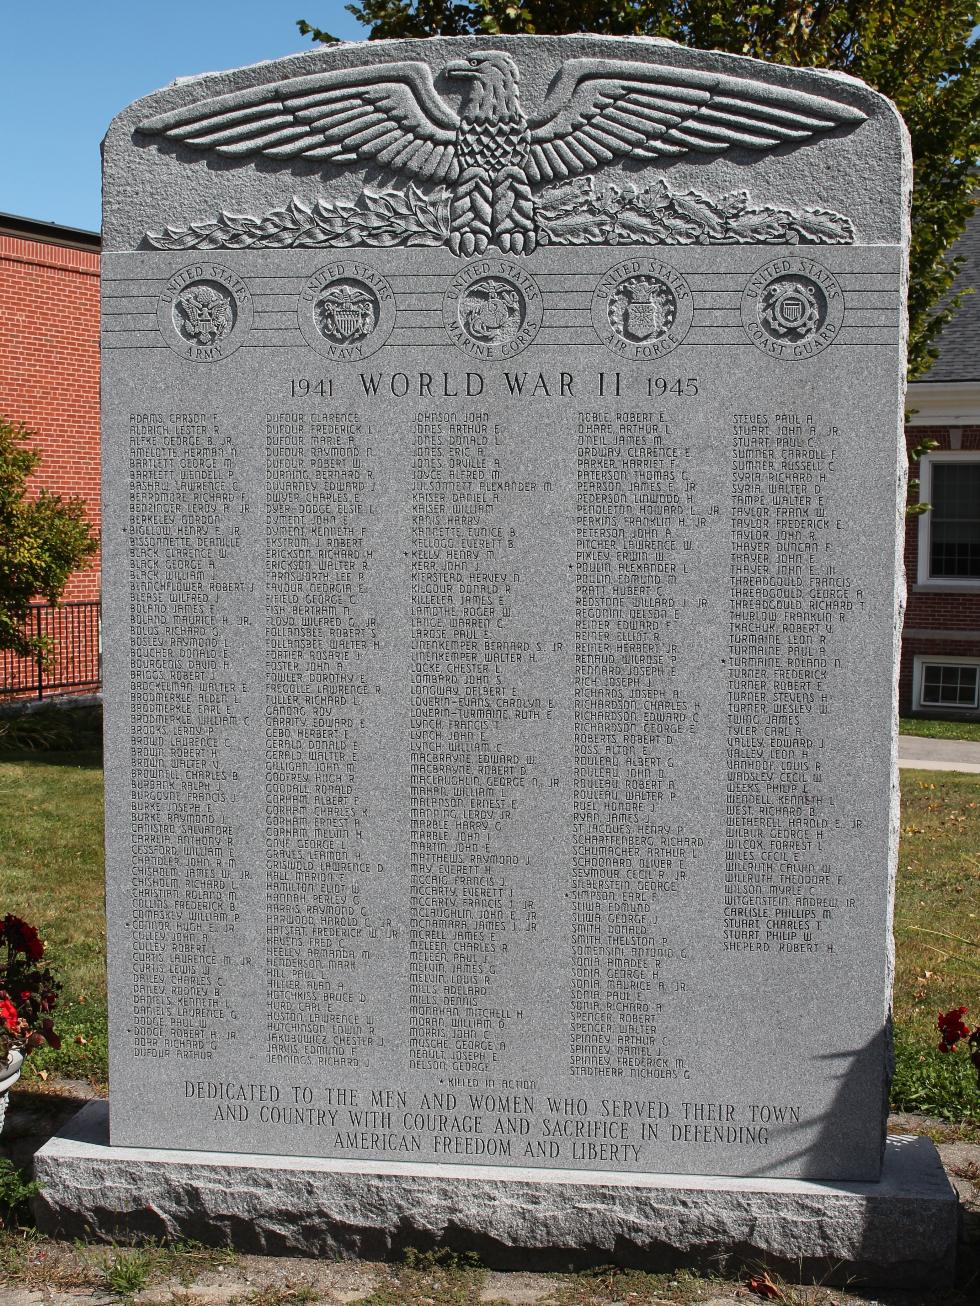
(501, 443)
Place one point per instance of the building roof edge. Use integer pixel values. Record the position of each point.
(49, 233)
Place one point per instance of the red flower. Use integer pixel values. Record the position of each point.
(951, 1028)
(27, 990)
(22, 937)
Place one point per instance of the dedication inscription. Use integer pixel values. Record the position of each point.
(501, 448)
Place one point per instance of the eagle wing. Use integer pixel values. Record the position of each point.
(390, 114)
(600, 109)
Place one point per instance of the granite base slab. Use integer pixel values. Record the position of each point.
(901, 1230)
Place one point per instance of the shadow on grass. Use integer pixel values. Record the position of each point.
(56, 734)
(81, 761)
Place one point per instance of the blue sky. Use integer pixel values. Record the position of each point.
(69, 68)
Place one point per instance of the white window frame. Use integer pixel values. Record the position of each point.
(919, 664)
(929, 460)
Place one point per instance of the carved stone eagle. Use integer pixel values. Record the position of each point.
(490, 154)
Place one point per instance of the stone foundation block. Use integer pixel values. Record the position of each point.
(899, 1231)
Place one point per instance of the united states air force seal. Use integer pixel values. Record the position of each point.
(492, 309)
(204, 312)
(642, 309)
(792, 308)
(346, 310)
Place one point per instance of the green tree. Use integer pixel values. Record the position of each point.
(43, 539)
(924, 57)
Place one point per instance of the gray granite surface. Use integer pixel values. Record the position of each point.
(900, 1231)
(502, 469)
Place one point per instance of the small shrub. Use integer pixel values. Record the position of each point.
(440, 1258)
(128, 1272)
(15, 1194)
(43, 539)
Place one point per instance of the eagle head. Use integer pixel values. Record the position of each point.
(494, 93)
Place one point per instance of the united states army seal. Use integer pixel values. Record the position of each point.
(205, 312)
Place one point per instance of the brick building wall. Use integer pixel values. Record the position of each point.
(49, 361)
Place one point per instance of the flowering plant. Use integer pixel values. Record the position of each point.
(28, 990)
(952, 1031)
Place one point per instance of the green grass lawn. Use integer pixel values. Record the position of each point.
(937, 940)
(51, 855)
(913, 725)
(52, 874)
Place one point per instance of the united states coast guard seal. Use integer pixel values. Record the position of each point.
(792, 308)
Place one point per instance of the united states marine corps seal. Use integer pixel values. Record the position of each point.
(205, 312)
(792, 308)
(492, 309)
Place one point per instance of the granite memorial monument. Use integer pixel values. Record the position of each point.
(503, 497)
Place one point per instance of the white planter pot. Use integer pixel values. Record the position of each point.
(9, 1075)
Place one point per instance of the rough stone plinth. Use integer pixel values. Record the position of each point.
(901, 1230)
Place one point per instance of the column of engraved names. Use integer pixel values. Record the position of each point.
(471, 774)
(186, 511)
(790, 606)
(634, 714)
(322, 662)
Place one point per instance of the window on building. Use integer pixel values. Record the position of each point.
(949, 533)
(955, 526)
(952, 684)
